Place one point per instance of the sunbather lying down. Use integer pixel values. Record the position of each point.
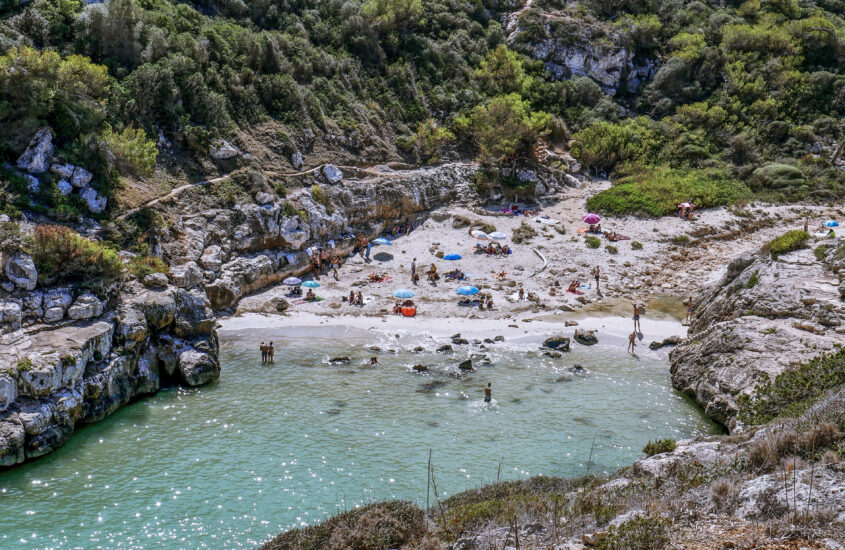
(456, 275)
(613, 236)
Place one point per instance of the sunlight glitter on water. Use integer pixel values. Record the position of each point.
(270, 447)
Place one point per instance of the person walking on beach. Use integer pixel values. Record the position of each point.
(597, 274)
(263, 349)
(488, 393)
(413, 269)
(637, 327)
(369, 247)
(632, 342)
(807, 224)
(270, 352)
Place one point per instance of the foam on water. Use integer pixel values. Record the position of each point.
(270, 447)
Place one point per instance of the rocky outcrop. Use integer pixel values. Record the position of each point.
(20, 270)
(58, 377)
(36, 158)
(764, 316)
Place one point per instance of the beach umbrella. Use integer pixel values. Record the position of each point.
(403, 293)
(382, 240)
(831, 223)
(310, 284)
(467, 290)
(498, 235)
(591, 218)
(292, 281)
(452, 257)
(478, 234)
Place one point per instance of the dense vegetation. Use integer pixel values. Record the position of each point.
(747, 99)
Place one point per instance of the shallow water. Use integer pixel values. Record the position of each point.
(271, 447)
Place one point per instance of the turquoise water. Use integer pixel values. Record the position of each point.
(267, 448)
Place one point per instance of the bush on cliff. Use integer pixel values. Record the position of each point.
(657, 191)
(788, 242)
(792, 392)
(380, 525)
(62, 255)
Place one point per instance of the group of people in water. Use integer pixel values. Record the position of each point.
(267, 352)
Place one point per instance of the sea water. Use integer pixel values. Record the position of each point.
(274, 446)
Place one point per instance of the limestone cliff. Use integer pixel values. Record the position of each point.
(765, 315)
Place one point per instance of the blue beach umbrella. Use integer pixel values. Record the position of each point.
(467, 290)
(498, 235)
(292, 281)
(831, 223)
(382, 240)
(403, 293)
(311, 284)
(452, 257)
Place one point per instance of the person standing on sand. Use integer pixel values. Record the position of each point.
(324, 260)
(413, 269)
(360, 300)
(270, 352)
(488, 393)
(637, 327)
(597, 274)
(688, 320)
(521, 294)
(807, 224)
(369, 247)
(632, 342)
(263, 349)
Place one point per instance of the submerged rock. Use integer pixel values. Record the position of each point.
(419, 368)
(340, 360)
(466, 365)
(445, 348)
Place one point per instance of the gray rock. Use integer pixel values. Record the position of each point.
(20, 270)
(10, 315)
(32, 183)
(212, 258)
(156, 280)
(8, 391)
(56, 302)
(197, 367)
(332, 173)
(340, 360)
(670, 341)
(36, 158)
(445, 348)
(65, 171)
(223, 150)
(96, 202)
(466, 365)
(586, 337)
(296, 160)
(559, 343)
(65, 188)
(81, 177)
(264, 198)
(86, 306)
(186, 275)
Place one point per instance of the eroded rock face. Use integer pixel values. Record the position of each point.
(96, 202)
(20, 270)
(54, 379)
(765, 316)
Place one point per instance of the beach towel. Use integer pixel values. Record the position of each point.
(583, 229)
(578, 292)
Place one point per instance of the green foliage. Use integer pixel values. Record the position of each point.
(25, 364)
(821, 251)
(431, 139)
(319, 195)
(604, 144)
(794, 391)
(389, 14)
(657, 191)
(62, 255)
(592, 241)
(611, 249)
(789, 241)
(659, 446)
(141, 266)
(680, 240)
(636, 245)
(502, 72)
(130, 150)
(777, 177)
(503, 126)
(639, 533)
(753, 280)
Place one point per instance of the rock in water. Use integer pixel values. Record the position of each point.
(332, 173)
(198, 368)
(466, 365)
(445, 348)
(20, 269)
(36, 158)
(671, 341)
(558, 342)
(586, 337)
(339, 360)
(420, 368)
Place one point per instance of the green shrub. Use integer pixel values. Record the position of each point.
(639, 533)
(281, 189)
(129, 150)
(319, 195)
(776, 177)
(753, 280)
(788, 242)
(659, 446)
(821, 251)
(592, 241)
(636, 245)
(431, 139)
(141, 266)
(680, 240)
(25, 364)
(62, 255)
(793, 391)
(611, 249)
(657, 191)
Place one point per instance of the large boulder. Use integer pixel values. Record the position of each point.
(212, 258)
(64, 171)
(197, 367)
(65, 188)
(155, 280)
(96, 202)
(560, 343)
(296, 160)
(36, 158)
(223, 150)
(332, 173)
(20, 269)
(86, 306)
(81, 177)
(10, 316)
(586, 337)
(56, 302)
(186, 275)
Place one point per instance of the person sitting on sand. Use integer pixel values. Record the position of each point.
(360, 300)
(481, 303)
(502, 275)
(310, 296)
(478, 248)
(573, 287)
(397, 309)
(489, 302)
(351, 297)
(521, 294)
(432, 273)
(505, 250)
